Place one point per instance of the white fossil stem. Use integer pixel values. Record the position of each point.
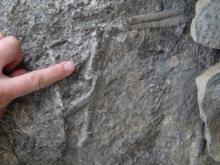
(153, 17)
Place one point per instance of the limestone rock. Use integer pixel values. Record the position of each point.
(208, 85)
(206, 24)
(133, 98)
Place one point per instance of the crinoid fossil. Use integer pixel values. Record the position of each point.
(163, 19)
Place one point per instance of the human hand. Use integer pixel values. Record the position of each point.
(19, 82)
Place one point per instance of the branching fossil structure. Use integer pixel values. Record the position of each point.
(162, 19)
(98, 47)
(81, 101)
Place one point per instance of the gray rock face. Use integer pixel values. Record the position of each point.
(206, 24)
(133, 99)
(209, 102)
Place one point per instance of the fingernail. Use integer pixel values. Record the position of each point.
(69, 67)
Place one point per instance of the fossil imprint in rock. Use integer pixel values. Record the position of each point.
(163, 19)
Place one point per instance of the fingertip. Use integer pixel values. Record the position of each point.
(11, 53)
(12, 40)
(69, 67)
(9, 46)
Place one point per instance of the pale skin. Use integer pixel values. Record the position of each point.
(21, 82)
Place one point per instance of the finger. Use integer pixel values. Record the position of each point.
(27, 83)
(2, 36)
(17, 59)
(15, 62)
(9, 48)
(18, 72)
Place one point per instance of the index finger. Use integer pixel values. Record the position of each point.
(27, 83)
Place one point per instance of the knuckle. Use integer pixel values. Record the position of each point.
(36, 81)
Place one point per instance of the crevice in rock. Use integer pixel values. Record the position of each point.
(204, 141)
(217, 56)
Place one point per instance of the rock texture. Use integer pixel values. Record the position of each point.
(208, 85)
(133, 99)
(206, 24)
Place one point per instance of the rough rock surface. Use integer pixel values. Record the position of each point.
(133, 99)
(208, 85)
(206, 24)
